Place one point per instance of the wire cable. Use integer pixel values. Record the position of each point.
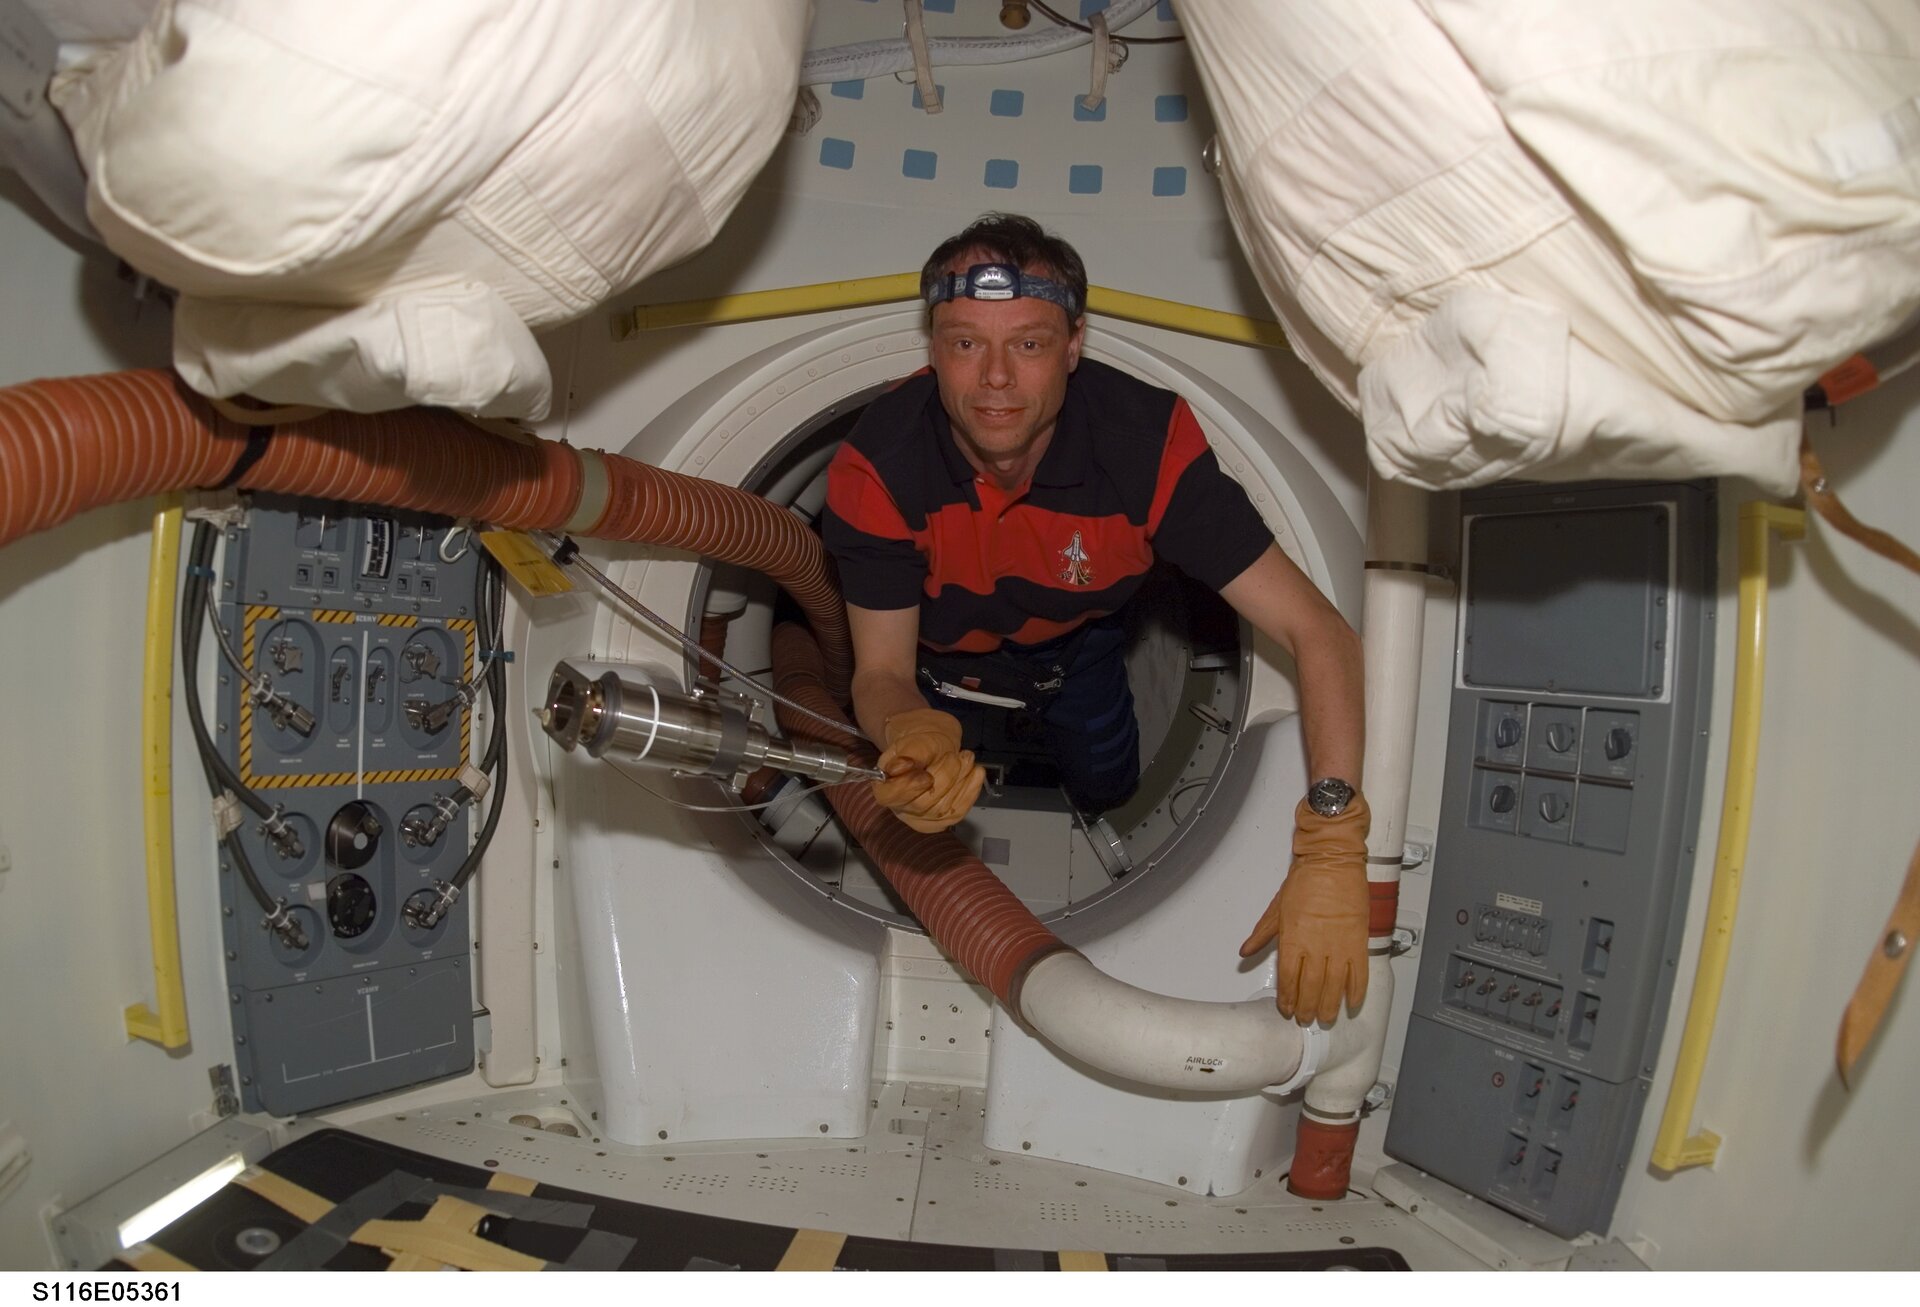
(1064, 21)
(565, 557)
(720, 807)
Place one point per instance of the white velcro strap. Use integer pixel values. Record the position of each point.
(227, 816)
(922, 61)
(594, 492)
(476, 781)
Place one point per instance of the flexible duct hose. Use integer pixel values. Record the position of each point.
(77, 443)
(963, 905)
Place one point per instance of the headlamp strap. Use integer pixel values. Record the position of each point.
(1002, 281)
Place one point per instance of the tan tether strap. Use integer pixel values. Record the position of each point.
(283, 1193)
(512, 1184)
(1083, 1261)
(278, 415)
(1871, 996)
(146, 1257)
(444, 1237)
(1893, 947)
(812, 1250)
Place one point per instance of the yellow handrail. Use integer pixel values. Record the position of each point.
(168, 1028)
(864, 292)
(1673, 1147)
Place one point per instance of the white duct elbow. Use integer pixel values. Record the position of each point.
(1167, 1043)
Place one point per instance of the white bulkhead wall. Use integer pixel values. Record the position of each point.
(1809, 1176)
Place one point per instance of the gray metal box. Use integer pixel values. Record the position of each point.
(1563, 858)
(353, 617)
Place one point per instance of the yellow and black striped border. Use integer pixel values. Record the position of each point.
(257, 613)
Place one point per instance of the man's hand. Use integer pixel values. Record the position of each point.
(1320, 916)
(931, 781)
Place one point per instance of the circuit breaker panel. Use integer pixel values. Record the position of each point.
(365, 630)
(1574, 765)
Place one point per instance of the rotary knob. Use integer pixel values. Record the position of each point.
(1618, 744)
(1506, 732)
(1561, 737)
(1502, 798)
(1554, 808)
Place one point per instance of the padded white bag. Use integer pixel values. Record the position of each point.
(367, 205)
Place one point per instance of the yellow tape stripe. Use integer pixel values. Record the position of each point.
(252, 615)
(1078, 1261)
(401, 777)
(146, 1257)
(311, 781)
(470, 631)
(457, 1248)
(812, 1250)
(399, 619)
(283, 1193)
(512, 1184)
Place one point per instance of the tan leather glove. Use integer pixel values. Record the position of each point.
(1320, 916)
(931, 781)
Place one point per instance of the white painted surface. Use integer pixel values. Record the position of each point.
(73, 905)
(1809, 1176)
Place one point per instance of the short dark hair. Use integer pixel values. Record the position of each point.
(1011, 238)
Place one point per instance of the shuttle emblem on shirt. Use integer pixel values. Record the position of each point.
(1078, 570)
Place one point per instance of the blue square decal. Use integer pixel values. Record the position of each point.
(937, 6)
(836, 153)
(1169, 181)
(938, 90)
(1164, 11)
(919, 164)
(1084, 179)
(1082, 114)
(853, 90)
(1007, 104)
(1088, 8)
(1002, 174)
(1169, 108)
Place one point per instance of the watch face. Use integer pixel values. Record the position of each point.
(1330, 797)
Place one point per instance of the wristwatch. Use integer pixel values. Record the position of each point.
(1329, 796)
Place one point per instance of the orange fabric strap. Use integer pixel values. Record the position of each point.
(1894, 946)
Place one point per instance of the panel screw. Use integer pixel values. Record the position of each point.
(1896, 944)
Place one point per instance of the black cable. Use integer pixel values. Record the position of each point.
(1064, 21)
(220, 777)
(193, 613)
(489, 606)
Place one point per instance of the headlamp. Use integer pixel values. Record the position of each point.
(1002, 281)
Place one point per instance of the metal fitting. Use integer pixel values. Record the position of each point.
(281, 836)
(422, 832)
(285, 927)
(424, 910)
(636, 720)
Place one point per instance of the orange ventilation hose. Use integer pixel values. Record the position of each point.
(963, 905)
(70, 445)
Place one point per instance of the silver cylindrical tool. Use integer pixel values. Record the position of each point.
(634, 717)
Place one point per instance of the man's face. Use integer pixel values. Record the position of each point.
(1002, 367)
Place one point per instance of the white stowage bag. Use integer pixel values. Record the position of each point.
(1563, 239)
(366, 205)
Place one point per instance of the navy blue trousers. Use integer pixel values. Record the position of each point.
(1086, 719)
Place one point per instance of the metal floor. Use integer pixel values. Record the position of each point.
(921, 1173)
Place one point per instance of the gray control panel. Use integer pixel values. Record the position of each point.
(1574, 764)
(368, 625)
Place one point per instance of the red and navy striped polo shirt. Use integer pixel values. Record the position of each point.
(1127, 478)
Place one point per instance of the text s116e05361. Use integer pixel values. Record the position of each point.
(106, 1290)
